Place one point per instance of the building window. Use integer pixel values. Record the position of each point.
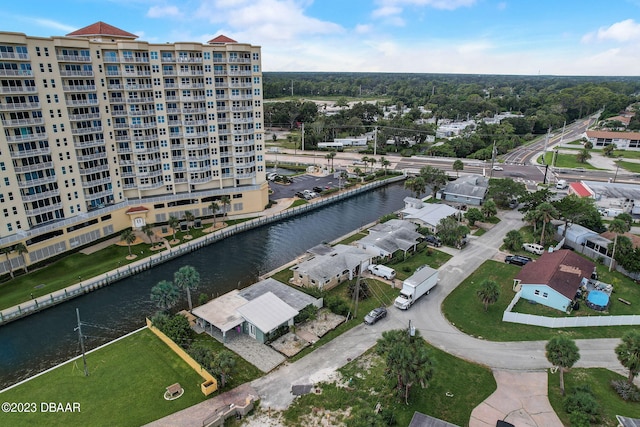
(154, 55)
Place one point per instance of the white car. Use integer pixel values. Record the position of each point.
(534, 248)
(498, 168)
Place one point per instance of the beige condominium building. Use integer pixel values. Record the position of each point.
(101, 132)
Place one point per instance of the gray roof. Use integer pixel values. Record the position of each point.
(422, 420)
(391, 241)
(614, 190)
(474, 186)
(342, 258)
(293, 297)
(392, 225)
(321, 249)
(430, 213)
(267, 312)
(628, 422)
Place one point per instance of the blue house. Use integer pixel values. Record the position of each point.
(553, 279)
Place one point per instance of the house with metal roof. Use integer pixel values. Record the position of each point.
(325, 271)
(264, 315)
(466, 190)
(386, 238)
(426, 215)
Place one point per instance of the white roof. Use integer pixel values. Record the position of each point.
(267, 312)
(430, 213)
(221, 312)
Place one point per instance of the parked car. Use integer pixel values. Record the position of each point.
(375, 315)
(534, 248)
(271, 176)
(299, 194)
(382, 271)
(318, 189)
(517, 259)
(433, 240)
(308, 194)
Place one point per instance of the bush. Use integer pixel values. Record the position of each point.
(626, 390)
(309, 312)
(363, 293)
(201, 353)
(581, 399)
(203, 299)
(336, 304)
(177, 328)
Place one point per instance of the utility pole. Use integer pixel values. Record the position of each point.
(84, 356)
(562, 135)
(302, 136)
(546, 142)
(493, 159)
(375, 140)
(291, 87)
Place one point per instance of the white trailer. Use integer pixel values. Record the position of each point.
(420, 283)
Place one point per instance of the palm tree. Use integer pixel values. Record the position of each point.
(128, 237)
(226, 201)
(165, 295)
(416, 185)
(21, 249)
(628, 352)
(173, 223)
(365, 160)
(373, 161)
(562, 352)
(148, 230)
(385, 164)
(187, 278)
(547, 212)
(618, 226)
(6, 251)
(434, 178)
(330, 155)
(458, 166)
(215, 207)
(224, 363)
(189, 217)
(488, 293)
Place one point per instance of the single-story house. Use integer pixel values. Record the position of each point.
(249, 310)
(426, 215)
(622, 140)
(327, 270)
(586, 241)
(554, 278)
(386, 238)
(466, 190)
(580, 189)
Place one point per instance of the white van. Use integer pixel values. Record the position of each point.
(561, 184)
(382, 271)
(534, 248)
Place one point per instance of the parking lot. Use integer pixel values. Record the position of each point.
(301, 183)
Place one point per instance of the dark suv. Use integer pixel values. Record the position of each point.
(433, 240)
(517, 259)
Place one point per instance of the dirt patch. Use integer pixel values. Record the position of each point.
(324, 322)
(289, 344)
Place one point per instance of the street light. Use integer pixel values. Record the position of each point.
(617, 168)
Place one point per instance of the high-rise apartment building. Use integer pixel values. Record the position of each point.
(101, 132)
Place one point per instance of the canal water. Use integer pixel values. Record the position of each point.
(42, 340)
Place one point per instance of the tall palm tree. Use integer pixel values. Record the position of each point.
(619, 227)
(174, 223)
(224, 363)
(148, 230)
(187, 278)
(547, 212)
(21, 249)
(373, 161)
(628, 352)
(416, 185)
(365, 160)
(128, 237)
(561, 351)
(488, 293)
(385, 164)
(165, 295)
(189, 217)
(215, 207)
(6, 251)
(226, 201)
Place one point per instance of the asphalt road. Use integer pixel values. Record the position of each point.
(425, 315)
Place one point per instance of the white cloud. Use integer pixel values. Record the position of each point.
(623, 31)
(435, 4)
(47, 23)
(363, 28)
(163, 12)
(386, 11)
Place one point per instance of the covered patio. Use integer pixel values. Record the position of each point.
(219, 316)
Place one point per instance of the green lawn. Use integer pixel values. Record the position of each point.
(369, 386)
(599, 380)
(630, 166)
(125, 386)
(425, 255)
(463, 308)
(565, 161)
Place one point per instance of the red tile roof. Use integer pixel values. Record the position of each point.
(612, 134)
(136, 209)
(580, 189)
(221, 39)
(561, 270)
(623, 119)
(102, 29)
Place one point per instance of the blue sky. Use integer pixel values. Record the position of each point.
(561, 37)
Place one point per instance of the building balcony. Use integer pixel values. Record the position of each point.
(96, 182)
(73, 58)
(144, 138)
(146, 150)
(122, 138)
(44, 209)
(135, 73)
(99, 195)
(241, 85)
(244, 154)
(198, 169)
(168, 59)
(242, 131)
(94, 169)
(21, 106)
(79, 88)
(242, 109)
(197, 146)
(198, 157)
(224, 131)
(242, 120)
(138, 87)
(140, 100)
(142, 113)
(113, 73)
(76, 73)
(151, 185)
(85, 131)
(115, 87)
(191, 73)
(191, 85)
(16, 73)
(129, 186)
(220, 72)
(121, 125)
(14, 55)
(88, 144)
(150, 125)
(127, 174)
(119, 113)
(169, 73)
(135, 59)
(23, 122)
(240, 73)
(149, 174)
(175, 134)
(240, 97)
(240, 60)
(200, 180)
(26, 138)
(90, 157)
(40, 196)
(190, 60)
(18, 89)
(245, 175)
(82, 102)
(193, 98)
(33, 168)
(79, 117)
(125, 150)
(196, 134)
(243, 143)
(194, 110)
(37, 182)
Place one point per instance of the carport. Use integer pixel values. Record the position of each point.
(220, 315)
